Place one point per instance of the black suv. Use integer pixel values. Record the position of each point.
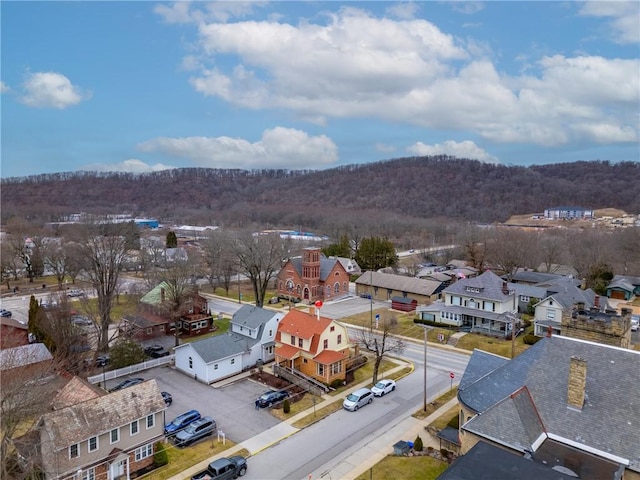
(272, 397)
(156, 351)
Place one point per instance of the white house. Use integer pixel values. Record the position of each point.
(486, 304)
(250, 340)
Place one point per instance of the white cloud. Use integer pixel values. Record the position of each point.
(278, 148)
(467, 8)
(181, 11)
(4, 87)
(404, 10)
(50, 90)
(132, 165)
(624, 23)
(409, 72)
(464, 149)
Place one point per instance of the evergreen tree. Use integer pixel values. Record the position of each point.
(172, 240)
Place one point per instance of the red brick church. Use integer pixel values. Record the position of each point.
(313, 277)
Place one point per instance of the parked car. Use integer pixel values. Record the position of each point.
(75, 292)
(223, 469)
(102, 360)
(635, 323)
(127, 383)
(47, 304)
(167, 397)
(195, 431)
(272, 397)
(365, 295)
(383, 387)
(357, 399)
(81, 320)
(5, 313)
(181, 421)
(156, 351)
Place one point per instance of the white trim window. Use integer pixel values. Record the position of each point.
(151, 421)
(89, 474)
(144, 452)
(114, 436)
(92, 444)
(135, 427)
(551, 314)
(74, 450)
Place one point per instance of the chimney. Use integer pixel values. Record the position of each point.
(162, 295)
(505, 290)
(577, 383)
(596, 302)
(549, 331)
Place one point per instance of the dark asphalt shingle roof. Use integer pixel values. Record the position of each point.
(222, 346)
(489, 287)
(251, 316)
(610, 418)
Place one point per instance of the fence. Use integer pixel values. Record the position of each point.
(138, 367)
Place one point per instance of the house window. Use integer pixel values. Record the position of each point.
(144, 452)
(328, 291)
(336, 288)
(74, 450)
(233, 360)
(525, 298)
(304, 360)
(135, 427)
(271, 333)
(336, 368)
(149, 330)
(270, 350)
(332, 328)
(551, 314)
(489, 306)
(114, 436)
(215, 366)
(89, 474)
(293, 340)
(92, 444)
(325, 343)
(151, 421)
(320, 369)
(190, 362)
(300, 343)
(339, 339)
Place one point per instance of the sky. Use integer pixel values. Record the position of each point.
(147, 86)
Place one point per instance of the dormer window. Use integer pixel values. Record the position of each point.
(473, 289)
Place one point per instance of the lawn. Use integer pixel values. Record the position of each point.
(181, 459)
(406, 468)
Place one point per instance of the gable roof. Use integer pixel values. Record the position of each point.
(303, 324)
(216, 348)
(624, 282)
(154, 296)
(612, 393)
(489, 286)
(76, 391)
(326, 265)
(572, 295)
(78, 422)
(418, 286)
(24, 355)
(253, 317)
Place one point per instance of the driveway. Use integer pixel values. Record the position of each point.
(351, 306)
(232, 406)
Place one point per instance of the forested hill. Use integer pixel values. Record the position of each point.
(424, 187)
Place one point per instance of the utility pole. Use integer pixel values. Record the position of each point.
(371, 300)
(425, 368)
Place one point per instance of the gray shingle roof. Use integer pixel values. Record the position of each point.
(222, 346)
(400, 283)
(23, 355)
(78, 422)
(489, 286)
(252, 317)
(610, 418)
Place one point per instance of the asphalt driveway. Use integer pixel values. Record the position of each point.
(232, 406)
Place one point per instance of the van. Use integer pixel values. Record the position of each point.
(357, 399)
(195, 431)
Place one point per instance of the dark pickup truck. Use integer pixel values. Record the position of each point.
(223, 469)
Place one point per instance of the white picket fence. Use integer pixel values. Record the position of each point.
(138, 367)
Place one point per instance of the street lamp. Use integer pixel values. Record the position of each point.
(425, 370)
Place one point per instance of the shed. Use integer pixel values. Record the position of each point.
(404, 304)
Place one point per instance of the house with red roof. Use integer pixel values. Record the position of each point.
(313, 345)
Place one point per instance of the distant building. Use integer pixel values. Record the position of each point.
(568, 213)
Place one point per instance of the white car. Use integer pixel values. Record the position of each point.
(635, 323)
(383, 387)
(74, 292)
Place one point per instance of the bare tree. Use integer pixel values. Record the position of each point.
(102, 253)
(219, 260)
(381, 342)
(551, 250)
(56, 259)
(474, 244)
(510, 250)
(259, 258)
(10, 264)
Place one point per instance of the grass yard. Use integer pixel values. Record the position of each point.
(437, 403)
(406, 468)
(181, 459)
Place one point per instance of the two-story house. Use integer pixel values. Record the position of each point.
(564, 402)
(111, 436)
(486, 304)
(316, 346)
(250, 341)
(313, 277)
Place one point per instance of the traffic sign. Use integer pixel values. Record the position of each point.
(452, 375)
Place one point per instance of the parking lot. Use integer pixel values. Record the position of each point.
(232, 406)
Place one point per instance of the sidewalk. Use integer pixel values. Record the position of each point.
(359, 461)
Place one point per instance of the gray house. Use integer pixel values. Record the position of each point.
(251, 340)
(564, 401)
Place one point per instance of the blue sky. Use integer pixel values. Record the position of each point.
(144, 86)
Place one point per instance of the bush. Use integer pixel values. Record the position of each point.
(417, 444)
(160, 456)
(337, 383)
(531, 339)
(286, 406)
